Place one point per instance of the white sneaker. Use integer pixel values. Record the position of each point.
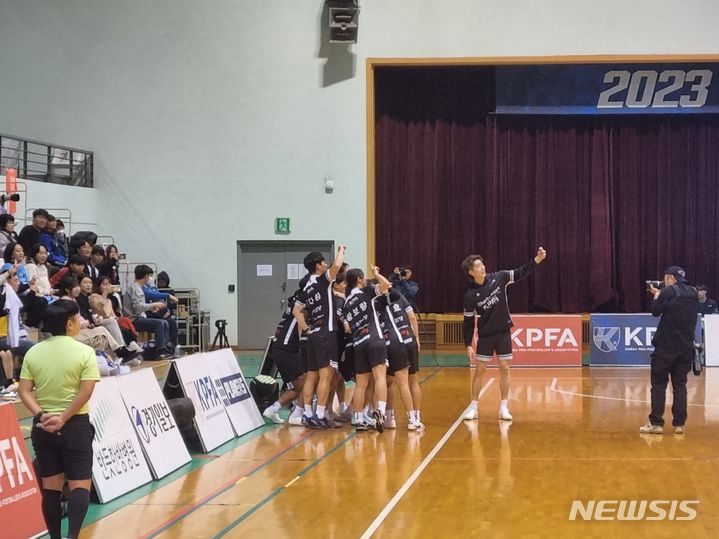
(296, 421)
(651, 429)
(415, 425)
(471, 414)
(504, 414)
(389, 422)
(273, 416)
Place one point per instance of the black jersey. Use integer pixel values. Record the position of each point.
(394, 314)
(316, 298)
(489, 301)
(286, 335)
(361, 312)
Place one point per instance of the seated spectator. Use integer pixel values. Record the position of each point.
(109, 265)
(37, 269)
(106, 303)
(706, 305)
(97, 337)
(30, 234)
(75, 266)
(92, 268)
(136, 308)
(56, 255)
(152, 294)
(34, 305)
(84, 248)
(7, 231)
(163, 285)
(62, 239)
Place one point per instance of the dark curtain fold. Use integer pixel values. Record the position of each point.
(614, 200)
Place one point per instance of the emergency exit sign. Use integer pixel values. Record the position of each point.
(282, 225)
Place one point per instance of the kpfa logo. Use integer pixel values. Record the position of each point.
(140, 425)
(606, 339)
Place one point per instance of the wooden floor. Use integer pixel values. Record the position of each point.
(574, 437)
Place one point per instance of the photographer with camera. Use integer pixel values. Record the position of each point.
(402, 282)
(676, 303)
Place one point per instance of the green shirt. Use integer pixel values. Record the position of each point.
(57, 366)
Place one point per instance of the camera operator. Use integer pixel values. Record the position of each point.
(402, 282)
(677, 305)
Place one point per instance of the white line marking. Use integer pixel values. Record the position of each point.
(412, 478)
(591, 396)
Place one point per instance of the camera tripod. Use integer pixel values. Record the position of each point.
(220, 336)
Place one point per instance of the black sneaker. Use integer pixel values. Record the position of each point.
(132, 355)
(378, 420)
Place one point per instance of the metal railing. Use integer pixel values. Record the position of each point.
(45, 162)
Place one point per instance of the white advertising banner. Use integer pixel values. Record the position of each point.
(119, 464)
(213, 425)
(711, 340)
(153, 422)
(234, 391)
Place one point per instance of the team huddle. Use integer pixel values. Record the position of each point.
(340, 326)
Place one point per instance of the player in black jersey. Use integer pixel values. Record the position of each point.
(369, 350)
(285, 354)
(400, 324)
(486, 299)
(321, 341)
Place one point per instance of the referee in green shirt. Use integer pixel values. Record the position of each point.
(63, 372)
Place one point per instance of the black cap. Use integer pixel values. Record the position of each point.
(677, 272)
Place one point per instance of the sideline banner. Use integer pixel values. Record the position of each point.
(711, 340)
(234, 391)
(547, 340)
(119, 464)
(624, 339)
(20, 498)
(153, 422)
(213, 425)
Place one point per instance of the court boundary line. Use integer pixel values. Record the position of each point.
(418, 471)
(553, 387)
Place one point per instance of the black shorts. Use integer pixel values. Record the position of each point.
(68, 452)
(499, 343)
(413, 354)
(321, 351)
(287, 363)
(397, 356)
(369, 354)
(347, 364)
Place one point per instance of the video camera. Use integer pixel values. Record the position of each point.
(5, 197)
(655, 284)
(402, 272)
(221, 324)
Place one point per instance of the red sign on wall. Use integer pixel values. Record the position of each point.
(20, 498)
(547, 340)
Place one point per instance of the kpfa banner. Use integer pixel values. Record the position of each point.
(119, 464)
(234, 391)
(711, 340)
(20, 499)
(624, 339)
(547, 340)
(153, 422)
(198, 384)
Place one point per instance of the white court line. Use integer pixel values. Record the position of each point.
(412, 478)
(591, 396)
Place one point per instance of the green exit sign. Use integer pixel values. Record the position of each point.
(282, 225)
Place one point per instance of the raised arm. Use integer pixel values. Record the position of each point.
(339, 260)
(383, 285)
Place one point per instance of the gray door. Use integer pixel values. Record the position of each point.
(268, 273)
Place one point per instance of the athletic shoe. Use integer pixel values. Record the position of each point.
(295, 421)
(311, 422)
(331, 423)
(368, 419)
(361, 426)
(415, 426)
(346, 416)
(651, 429)
(340, 418)
(679, 429)
(324, 423)
(378, 420)
(504, 415)
(273, 416)
(471, 414)
(390, 423)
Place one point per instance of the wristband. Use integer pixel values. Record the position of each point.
(39, 415)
